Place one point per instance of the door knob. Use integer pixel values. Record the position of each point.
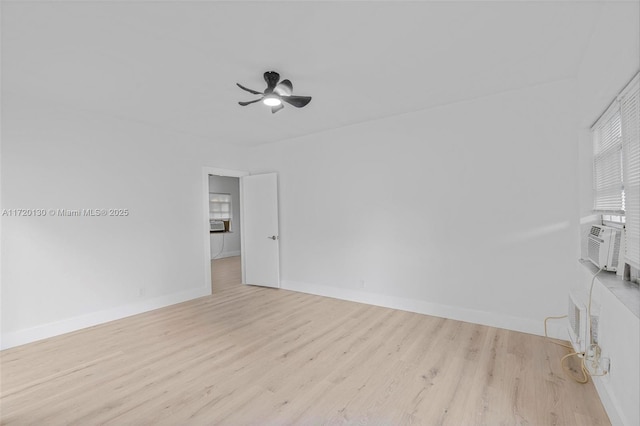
(273, 237)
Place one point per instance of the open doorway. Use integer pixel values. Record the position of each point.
(224, 232)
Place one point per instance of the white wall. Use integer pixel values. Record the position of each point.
(64, 273)
(439, 211)
(231, 247)
(467, 211)
(611, 59)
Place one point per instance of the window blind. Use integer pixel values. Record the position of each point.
(219, 206)
(630, 123)
(608, 194)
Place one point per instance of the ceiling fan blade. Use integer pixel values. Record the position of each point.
(271, 77)
(255, 92)
(297, 101)
(284, 88)
(276, 108)
(249, 102)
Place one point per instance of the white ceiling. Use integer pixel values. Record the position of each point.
(174, 65)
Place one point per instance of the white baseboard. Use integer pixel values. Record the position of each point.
(525, 325)
(610, 406)
(28, 335)
(228, 254)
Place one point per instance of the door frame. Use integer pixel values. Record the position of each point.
(206, 171)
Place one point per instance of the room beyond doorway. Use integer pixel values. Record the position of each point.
(224, 231)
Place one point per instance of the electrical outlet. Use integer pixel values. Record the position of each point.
(361, 283)
(595, 363)
(141, 291)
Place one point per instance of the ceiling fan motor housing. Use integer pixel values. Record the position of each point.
(276, 93)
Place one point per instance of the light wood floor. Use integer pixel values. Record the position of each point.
(251, 355)
(225, 273)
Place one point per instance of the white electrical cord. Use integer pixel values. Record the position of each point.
(593, 281)
(591, 357)
(221, 248)
(592, 352)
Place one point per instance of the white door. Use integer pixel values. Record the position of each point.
(260, 237)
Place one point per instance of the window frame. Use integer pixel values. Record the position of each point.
(613, 133)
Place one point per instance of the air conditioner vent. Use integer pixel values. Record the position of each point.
(578, 324)
(603, 247)
(594, 250)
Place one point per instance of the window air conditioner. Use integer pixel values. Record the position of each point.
(216, 226)
(604, 247)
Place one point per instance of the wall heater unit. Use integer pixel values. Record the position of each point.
(578, 321)
(604, 247)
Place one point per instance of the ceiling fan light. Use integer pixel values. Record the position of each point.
(271, 101)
